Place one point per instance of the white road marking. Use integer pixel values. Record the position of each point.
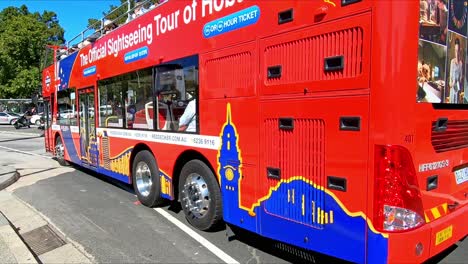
(207, 244)
(25, 152)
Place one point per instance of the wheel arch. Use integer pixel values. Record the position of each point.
(57, 135)
(183, 158)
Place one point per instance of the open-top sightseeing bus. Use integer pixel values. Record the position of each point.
(336, 126)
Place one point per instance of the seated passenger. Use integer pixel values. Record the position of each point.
(139, 9)
(73, 48)
(109, 26)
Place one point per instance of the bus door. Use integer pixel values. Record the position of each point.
(49, 141)
(88, 145)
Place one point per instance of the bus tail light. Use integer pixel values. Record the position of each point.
(397, 200)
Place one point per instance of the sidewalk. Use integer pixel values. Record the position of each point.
(43, 240)
(8, 176)
(25, 234)
(12, 248)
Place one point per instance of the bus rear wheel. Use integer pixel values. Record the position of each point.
(60, 152)
(145, 177)
(200, 195)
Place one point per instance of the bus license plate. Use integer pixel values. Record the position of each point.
(443, 235)
(461, 175)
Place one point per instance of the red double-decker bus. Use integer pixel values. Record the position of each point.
(336, 126)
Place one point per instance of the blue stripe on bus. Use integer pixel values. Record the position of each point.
(69, 145)
(117, 176)
(89, 71)
(136, 55)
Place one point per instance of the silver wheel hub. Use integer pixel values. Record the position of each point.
(195, 195)
(144, 179)
(59, 150)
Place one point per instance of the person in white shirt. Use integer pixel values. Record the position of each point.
(456, 73)
(139, 9)
(188, 120)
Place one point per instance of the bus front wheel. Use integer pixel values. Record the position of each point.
(146, 182)
(200, 195)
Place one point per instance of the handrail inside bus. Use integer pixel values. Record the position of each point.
(90, 34)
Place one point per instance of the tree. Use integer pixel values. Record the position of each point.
(23, 36)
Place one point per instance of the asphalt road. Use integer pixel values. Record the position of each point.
(105, 218)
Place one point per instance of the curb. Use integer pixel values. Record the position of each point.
(12, 178)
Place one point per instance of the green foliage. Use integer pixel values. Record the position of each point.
(23, 36)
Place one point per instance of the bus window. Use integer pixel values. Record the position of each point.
(126, 101)
(111, 104)
(139, 100)
(177, 89)
(66, 108)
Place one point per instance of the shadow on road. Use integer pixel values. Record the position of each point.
(119, 184)
(280, 250)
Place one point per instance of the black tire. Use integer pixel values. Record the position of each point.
(152, 196)
(16, 125)
(12, 122)
(60, 159)
(213, 213)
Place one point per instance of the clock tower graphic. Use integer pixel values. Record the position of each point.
(229, 161)
(230, 174)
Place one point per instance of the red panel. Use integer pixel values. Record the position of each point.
(297, 152)
(317, 148)
(301, 55)
(236, 79)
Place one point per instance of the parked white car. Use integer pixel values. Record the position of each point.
(36, 119)
(8, 118)
(68, 113)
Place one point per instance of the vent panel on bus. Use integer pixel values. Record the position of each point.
(455, 137)
(303, 60)
(299, 154)
(234, 80)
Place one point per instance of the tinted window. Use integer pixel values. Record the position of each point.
(177, 90)
(127, 101)
(66, 108)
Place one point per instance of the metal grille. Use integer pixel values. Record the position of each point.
(303, 60)
(42, 240)
(236, 76)
(300, 154)
(455, 137)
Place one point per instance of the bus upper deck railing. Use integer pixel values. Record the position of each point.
(105, 25)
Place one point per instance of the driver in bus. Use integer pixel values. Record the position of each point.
(188, 120)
